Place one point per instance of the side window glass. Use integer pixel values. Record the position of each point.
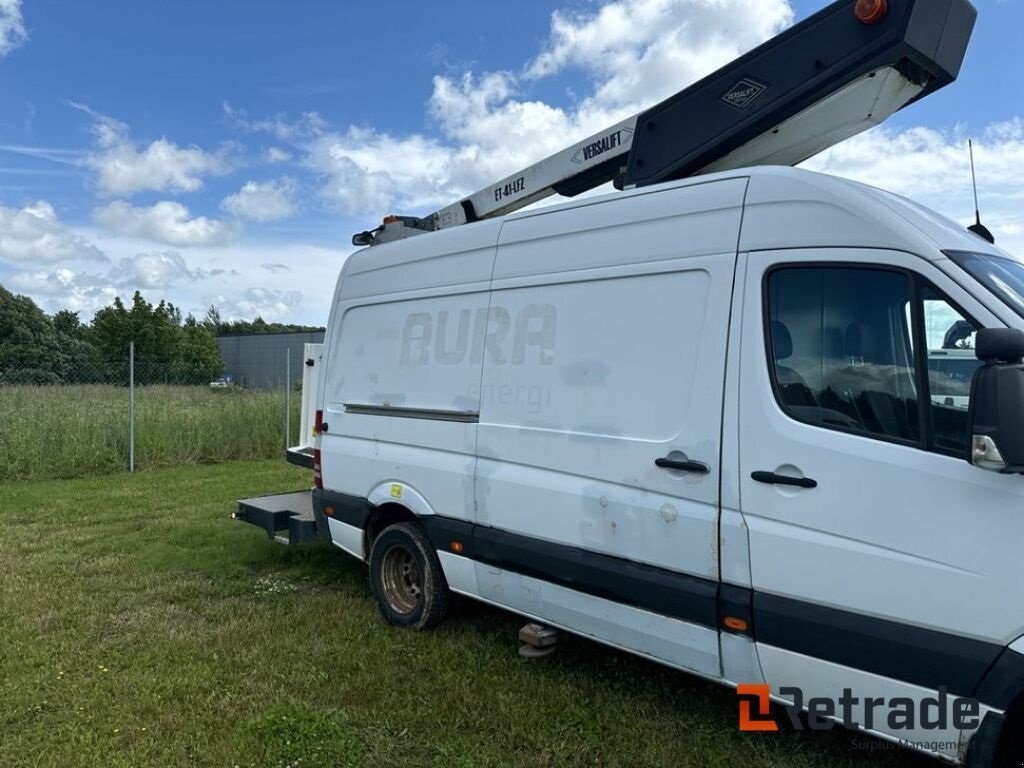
(951, 366)
(840, 349)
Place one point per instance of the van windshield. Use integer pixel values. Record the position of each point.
(1004, 277)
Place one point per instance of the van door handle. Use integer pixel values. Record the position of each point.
(685, 466)
(773, 479)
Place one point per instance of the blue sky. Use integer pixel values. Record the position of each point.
(225, 152)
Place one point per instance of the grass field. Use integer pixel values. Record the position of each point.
(142, 627)
(74, 431)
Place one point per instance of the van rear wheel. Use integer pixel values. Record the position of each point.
(1011, 750)
(406, 578)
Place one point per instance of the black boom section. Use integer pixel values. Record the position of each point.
(925, 40)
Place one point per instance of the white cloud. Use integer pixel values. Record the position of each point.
(263, 200)
(157, 269)
(634, 52)
(12, 26)
(124, 167)
(34, 234)
(63, 288)
(271, 305)
(368, 173)
(109, 131)
(933, 167)
(307, 125)
(85, 292)
(296, 285)
(165, 222)
(640, 51)
(276, 155)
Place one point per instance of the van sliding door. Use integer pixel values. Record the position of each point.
(600, 414)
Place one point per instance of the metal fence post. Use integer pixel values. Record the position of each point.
(287, 397)
(131, 406)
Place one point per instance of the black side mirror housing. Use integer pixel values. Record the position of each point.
(996, 415)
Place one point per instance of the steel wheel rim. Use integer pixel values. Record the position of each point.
(400, 580)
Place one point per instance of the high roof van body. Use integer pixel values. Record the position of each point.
(706, 422)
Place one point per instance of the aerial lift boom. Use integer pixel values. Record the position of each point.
(841, 71)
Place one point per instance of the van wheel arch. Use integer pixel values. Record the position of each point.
(380, 518)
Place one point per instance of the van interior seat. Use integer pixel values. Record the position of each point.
(866, 388)
(792, 386)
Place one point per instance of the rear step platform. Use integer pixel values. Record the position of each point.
(286, 517)
(300, 456)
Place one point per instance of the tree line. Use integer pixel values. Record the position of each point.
(212, 320)
(36, 348)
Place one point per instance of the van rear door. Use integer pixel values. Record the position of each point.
(600, 418)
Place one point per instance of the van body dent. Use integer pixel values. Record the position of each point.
(712, 422)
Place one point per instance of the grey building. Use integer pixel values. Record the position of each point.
(260, 361)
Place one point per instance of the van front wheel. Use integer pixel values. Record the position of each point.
(406, 578)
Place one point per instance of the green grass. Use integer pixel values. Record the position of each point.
(74, 431)
(141, 626)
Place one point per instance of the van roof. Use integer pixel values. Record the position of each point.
(780, 203)
(898, 221)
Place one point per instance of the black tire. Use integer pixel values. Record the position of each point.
(1011, 751)
(406, 578)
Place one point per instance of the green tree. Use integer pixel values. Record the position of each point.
(83, 363)
(156, 331)
(29, 349)
(213, 320)
(197, 359)
(36, 349)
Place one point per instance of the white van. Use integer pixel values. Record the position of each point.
(694, 422)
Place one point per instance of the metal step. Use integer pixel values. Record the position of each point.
(300, 455)
(290, 513)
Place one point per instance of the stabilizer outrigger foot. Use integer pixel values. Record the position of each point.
(537, 641)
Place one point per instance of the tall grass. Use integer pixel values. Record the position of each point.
(72, 431)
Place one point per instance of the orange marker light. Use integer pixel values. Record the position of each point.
(735, 624)
(457, 546)
(871, 11)
(329, 511)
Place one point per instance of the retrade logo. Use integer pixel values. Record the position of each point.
(756, 708)
(938, 712)
(744, 93)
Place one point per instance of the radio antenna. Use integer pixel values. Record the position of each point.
(977, 227)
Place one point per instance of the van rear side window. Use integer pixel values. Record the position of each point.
(840, 349)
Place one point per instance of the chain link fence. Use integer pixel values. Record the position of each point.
(128, 415)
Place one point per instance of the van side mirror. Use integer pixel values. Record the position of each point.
(996, 415)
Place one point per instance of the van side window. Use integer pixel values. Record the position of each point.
(840, 349)
(951, 367)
